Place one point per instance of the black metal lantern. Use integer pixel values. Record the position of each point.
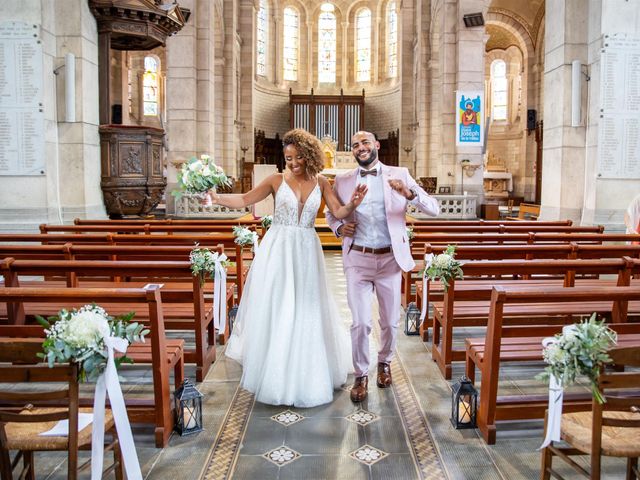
(464, 404)
(188, 404)
(412, 320)
(233, 311)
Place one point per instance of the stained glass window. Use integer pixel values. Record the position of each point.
(262, 32)
(392, 40)
(363, 45)
(327, 47)
(291, 44)
(150, 87)
(499, 90)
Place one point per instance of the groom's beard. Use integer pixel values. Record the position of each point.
(373, 156)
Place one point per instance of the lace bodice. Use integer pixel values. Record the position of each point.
(286, 209)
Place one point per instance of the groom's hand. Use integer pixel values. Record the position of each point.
(347, 229)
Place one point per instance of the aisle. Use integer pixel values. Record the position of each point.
(384, 437)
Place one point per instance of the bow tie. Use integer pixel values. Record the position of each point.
(364, 173)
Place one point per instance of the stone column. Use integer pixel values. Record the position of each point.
(469, 75)
(566, 37)
(182, 96)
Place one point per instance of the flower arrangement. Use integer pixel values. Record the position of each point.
(244, 236)
(78, 336)
(444, 267)
(198, 175)
(580, 349)
(410, 233)
(203, 262)
(266, 221)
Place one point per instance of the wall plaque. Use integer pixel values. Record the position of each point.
(619, 122)
(21, 103)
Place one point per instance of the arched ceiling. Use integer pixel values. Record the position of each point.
(499, 38)
(528, 13)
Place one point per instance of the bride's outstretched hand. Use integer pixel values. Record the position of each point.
(358, 195)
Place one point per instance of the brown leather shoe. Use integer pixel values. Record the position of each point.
(384, 375)
(359, 389)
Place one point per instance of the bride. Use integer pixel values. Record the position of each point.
(287, 333)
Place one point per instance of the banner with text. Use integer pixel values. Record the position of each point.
(470, 118)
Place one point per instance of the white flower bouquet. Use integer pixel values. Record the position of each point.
(410, 233)
(203, 262)
(244, 236)
(444, 267)
(580, 350)
(266, 221)
(78, 336)
(198, 176)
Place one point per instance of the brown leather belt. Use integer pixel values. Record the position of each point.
(375, 251)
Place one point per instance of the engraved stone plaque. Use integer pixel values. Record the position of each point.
(21, 103)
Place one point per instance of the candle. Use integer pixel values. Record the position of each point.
(189, 420)
(463, 412)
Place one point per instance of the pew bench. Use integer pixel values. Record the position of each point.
(157, 351)
(467, 302)
(493, 408)
(184, 304)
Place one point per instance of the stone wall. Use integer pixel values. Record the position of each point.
(70, 185)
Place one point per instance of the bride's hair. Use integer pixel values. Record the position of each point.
(309, 147)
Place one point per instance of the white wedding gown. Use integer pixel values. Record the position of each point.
(288, 335)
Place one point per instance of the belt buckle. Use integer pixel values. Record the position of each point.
(364, 249)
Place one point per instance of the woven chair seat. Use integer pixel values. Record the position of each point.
(616, 441)
(26, 436)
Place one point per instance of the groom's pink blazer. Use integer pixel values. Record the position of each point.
(395, 207)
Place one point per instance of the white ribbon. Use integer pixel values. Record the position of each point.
(220, 294)
(556, 395)
(108, 383)
(554, 415)
(255, 244)
(428, 258)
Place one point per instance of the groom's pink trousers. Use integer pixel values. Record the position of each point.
(367, 273)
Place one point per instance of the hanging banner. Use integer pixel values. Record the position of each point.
(470, 118)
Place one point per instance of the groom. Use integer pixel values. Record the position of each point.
(375, 251)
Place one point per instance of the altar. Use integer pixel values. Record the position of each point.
(497, 181)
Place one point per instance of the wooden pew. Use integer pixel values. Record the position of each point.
(143, 229)
(411, 221)
(515, 227)
(572, 250)
(172, 221)
(467, 302)
(161, 353)
(553, 301)
(184, 306)
(527, 211)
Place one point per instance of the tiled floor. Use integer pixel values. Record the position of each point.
(388, 436)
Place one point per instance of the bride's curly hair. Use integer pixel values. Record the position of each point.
(309, 147)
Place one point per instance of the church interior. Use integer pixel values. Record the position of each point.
(521, 118)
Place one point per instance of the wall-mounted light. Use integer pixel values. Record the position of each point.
(69, 86)
(473, 19)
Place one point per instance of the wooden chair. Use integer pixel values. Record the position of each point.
(610, 429)
(20, 427)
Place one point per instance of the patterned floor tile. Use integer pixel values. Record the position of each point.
(281, 456)
(362, 417)
(368, 455)
(287, 418)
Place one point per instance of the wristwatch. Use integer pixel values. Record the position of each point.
(414, 194)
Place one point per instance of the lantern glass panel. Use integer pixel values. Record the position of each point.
(464, 404)
(412, 320)
(188, 405)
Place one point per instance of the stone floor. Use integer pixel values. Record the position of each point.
(399, 433)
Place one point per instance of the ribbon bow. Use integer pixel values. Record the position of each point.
(220, 294)
(108, 383)
(428, 259)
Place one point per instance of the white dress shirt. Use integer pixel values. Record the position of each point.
(372, 230)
